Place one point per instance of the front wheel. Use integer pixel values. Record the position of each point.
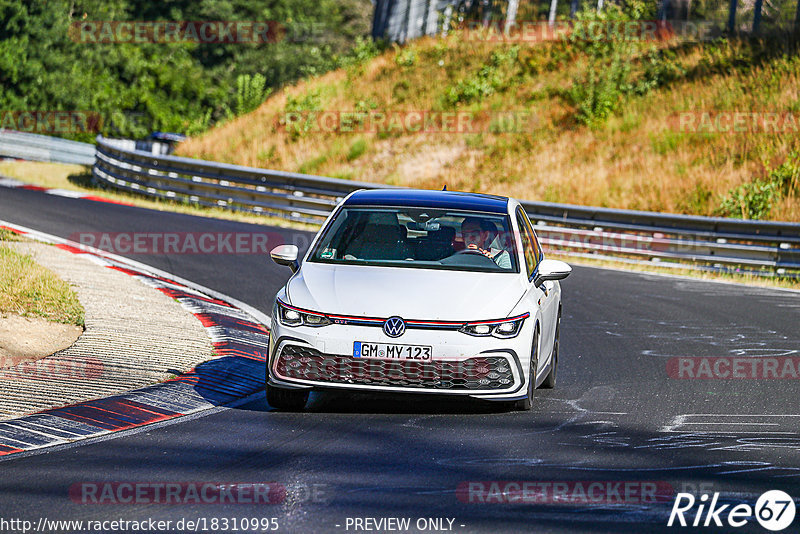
(290, 400)
(526, 403)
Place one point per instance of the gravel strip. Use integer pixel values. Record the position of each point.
(135, 336)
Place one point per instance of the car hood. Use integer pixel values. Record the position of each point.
(409, 293)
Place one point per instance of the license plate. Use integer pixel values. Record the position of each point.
(390, 351)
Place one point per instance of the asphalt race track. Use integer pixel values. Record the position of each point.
(619, 414)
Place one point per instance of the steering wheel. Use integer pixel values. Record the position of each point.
(471, 251)
(476, 253)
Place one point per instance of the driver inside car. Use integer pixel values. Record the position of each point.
(480, 235)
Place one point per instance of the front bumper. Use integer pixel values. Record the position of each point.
(322, 358)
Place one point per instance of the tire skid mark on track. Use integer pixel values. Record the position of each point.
(239, 340)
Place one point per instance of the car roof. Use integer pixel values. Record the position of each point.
(429, 199)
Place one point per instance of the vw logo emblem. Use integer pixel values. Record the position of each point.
(394, 327)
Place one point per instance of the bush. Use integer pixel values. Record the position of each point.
(754, 200)
(405, 58)
(357, 149)
(660, 68)
(609, 75)
(495, 75)
(787, 176)
(251, 92)
(363, 50)
(599, 92)
(300, 114)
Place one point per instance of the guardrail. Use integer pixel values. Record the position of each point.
(35, 147)
(766, 248)
(703, 243)
(297, 197)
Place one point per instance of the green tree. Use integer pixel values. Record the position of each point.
(182, 87)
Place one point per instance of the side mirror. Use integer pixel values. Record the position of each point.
(286, 255)
(551, 270)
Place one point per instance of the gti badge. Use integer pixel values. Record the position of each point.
(394, 327)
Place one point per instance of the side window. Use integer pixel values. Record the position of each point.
(536, 248)
(528, 244)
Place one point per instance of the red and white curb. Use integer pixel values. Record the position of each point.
(16, 184)
(239, 334)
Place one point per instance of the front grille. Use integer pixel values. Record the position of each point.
(479, 373)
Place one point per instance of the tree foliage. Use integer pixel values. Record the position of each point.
(182, 87)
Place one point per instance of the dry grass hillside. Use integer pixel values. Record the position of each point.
(600, 125)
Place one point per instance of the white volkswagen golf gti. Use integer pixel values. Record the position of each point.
(412, 291)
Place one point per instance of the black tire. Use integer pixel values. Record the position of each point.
(526, 404)
(550, 379)
(290, 400)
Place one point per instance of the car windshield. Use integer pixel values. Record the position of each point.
(425, 238)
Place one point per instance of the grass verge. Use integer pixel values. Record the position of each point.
(30, 290)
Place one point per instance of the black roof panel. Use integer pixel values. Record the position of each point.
(429, 199)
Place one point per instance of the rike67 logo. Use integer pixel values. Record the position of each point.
(774, 510)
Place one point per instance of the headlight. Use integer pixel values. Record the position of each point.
(502, 328)
(290, 316)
